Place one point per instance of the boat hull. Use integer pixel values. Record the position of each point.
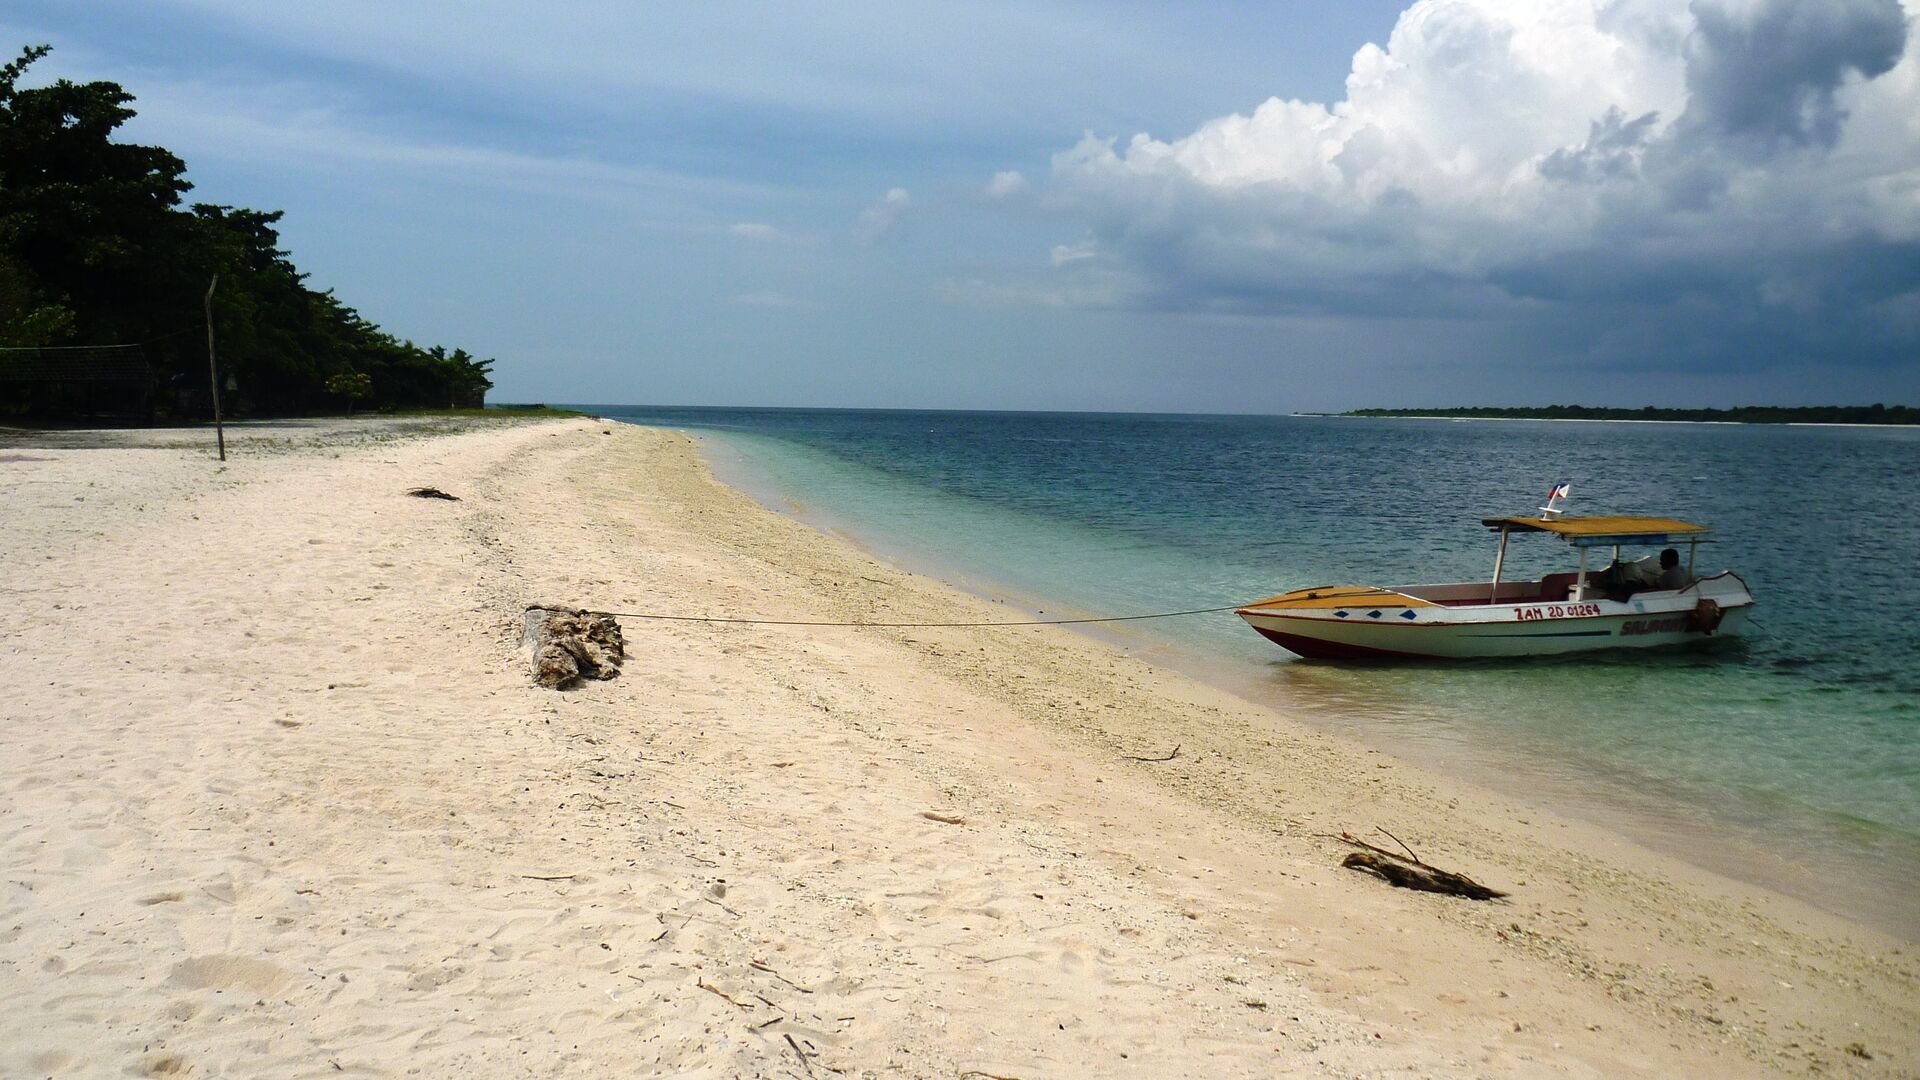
(1380, 628)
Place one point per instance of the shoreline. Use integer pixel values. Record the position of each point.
(1854, 885)
(300, 724)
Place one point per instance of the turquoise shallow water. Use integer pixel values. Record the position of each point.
(1796, 748)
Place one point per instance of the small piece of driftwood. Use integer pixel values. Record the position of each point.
(1408, 872)
(759, 965)
(721, 994)
(801, 1054)
(944, 819)
(1171, 754)
(570, 644)
(431, 493)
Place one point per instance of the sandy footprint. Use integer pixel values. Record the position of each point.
(231, 972)
(162, 1065)
(44, 1063)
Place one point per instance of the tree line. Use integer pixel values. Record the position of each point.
(96, 249)
(1742, 414)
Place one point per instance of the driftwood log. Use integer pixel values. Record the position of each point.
(570, 644)
(1408, 872)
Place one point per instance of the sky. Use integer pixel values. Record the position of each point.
(1127, 206)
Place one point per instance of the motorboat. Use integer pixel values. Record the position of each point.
(1648, 603)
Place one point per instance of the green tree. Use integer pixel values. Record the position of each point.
(93, 221)
(351, 385)
(95, 248)
(26, 316)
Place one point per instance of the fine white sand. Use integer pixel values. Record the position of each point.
(278, 799)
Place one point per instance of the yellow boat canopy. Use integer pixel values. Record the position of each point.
(1603, 530)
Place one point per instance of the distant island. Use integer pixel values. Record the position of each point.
(1743, 414)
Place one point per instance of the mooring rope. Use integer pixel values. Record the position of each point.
(916, 625)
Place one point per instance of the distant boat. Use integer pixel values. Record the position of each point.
(1625, 606)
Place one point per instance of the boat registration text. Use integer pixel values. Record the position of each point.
(1555, 611)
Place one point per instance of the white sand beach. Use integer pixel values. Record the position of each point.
(278, 799)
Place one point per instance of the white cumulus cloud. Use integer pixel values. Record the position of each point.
(883, 217)
(1006, 183)
(1592, 161)
(1063, 254)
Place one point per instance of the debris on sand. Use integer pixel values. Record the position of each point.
(1409, 872)
(571, 644)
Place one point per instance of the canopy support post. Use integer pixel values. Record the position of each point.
(1499, 557)
(1693, 548)
(1580, 580)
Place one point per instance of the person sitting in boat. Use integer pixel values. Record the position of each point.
(1662, 571)
(1672, 574)
(1622, 579)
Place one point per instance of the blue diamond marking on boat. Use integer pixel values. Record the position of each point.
(1340, 614)
(1373, 614)
(1408, 614)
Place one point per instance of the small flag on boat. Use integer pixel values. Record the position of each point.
(1559, 492)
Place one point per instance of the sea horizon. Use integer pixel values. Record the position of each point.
(604, 408)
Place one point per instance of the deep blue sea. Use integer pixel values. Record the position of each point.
(1790, 756)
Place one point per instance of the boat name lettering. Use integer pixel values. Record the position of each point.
(1556, 611)
(1670, 625)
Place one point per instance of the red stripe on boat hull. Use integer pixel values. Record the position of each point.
(1316, 649)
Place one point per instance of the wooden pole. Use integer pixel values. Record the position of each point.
(213, 372)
